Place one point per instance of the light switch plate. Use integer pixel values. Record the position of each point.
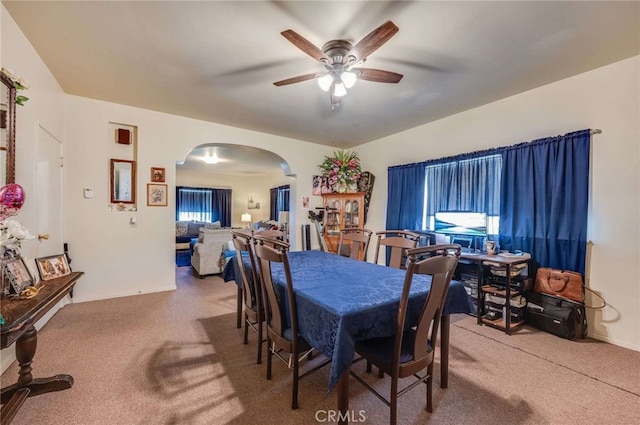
(88, 193)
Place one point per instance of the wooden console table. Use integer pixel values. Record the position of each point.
(20, 317)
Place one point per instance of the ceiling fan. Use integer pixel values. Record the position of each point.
(343, 61)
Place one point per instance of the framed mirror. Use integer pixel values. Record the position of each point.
(7, 131)
(123, 181)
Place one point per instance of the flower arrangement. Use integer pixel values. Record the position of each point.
(342, 170)
(12, 233)
(18, 83)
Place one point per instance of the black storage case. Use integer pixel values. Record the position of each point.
(517, 313)
(556, 315)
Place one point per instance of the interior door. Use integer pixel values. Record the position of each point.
(49, 194)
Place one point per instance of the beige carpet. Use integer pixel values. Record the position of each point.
(177, 358)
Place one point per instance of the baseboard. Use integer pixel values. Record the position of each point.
(614, 341)
(110, 295)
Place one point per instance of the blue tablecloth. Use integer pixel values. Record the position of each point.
(341, 301)
(230, 271)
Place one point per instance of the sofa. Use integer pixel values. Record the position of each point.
(187, 231)
(210, 251)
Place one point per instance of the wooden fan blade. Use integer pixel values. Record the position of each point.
(377, 75)
(305, 45)
(372, 42)
(297, 79)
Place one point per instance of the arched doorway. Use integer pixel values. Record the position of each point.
(249, 173)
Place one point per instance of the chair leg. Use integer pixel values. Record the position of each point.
(294, 395)
(269, 357)
(380, 373)
(368, 366)
(393, 401)
(259, 361)
(429, 389)
(246, 329)
(239, 309)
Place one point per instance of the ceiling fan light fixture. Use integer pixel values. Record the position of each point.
(325, 82)
(339, 89)
(342, 61)
(211, 159)
(348, 78)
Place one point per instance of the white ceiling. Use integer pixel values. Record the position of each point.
(216, 60)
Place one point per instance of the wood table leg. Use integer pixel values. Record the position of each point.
(343, 397)
(25, 350)
(8, 411)
(445, 322)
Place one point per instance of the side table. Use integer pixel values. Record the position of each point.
(20, 316)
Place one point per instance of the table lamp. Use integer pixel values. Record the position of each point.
(246, 219)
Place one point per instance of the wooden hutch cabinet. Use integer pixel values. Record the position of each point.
(343, 211)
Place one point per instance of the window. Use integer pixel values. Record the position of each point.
(203, 204)
(469, 184)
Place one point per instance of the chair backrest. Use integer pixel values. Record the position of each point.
(354, 243)
(252, 293)
(440, 262)
(398, 241)
(268, 251)
(271, 233)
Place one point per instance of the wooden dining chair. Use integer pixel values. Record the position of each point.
(282, 335)
(354, 243)
(398, 241)
(271, 233)
(412, 348)
(251, 291)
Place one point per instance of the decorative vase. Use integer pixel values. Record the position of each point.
(341, 188)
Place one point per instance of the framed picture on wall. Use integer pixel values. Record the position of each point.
(316, 188)
(156, 195)
(157, 174)
(53, 266)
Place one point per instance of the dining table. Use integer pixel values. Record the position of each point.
(341, 300)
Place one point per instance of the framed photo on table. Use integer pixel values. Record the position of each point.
(156, 195)
(157, 174)
(53, 266)
(17, 273)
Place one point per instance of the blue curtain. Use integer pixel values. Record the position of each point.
(221, 205)
(545, 191)
(405, 196)
(279, 201)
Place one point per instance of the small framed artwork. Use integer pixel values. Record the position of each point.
(53, 266)
(156, 195)
(17, 274)
(157, 174)
(316, 189)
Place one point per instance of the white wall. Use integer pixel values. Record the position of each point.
(607, 98)
(120, 259)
